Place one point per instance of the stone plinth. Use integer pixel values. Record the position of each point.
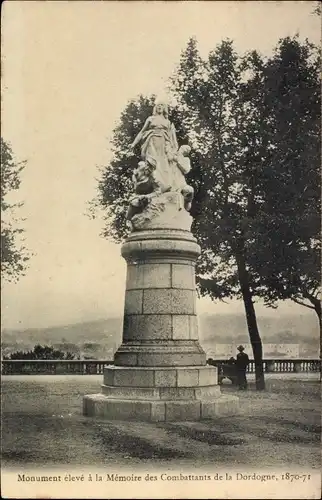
(160, 371)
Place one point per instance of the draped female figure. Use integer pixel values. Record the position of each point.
(159, 147)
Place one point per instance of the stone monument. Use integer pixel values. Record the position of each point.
(160, 371)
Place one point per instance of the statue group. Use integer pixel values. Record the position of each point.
(163, 165)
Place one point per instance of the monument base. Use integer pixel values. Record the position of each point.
(160, 394)
(160, 372)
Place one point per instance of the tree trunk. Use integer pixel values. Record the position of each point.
(316, 303)
(317, 309)
(251, 321)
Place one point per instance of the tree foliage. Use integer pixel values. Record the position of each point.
(288, 262)
(13, 255)
(115, 184)
(41, 352)
(317, 8)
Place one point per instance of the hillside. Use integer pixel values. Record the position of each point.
(277, 329)
(100, 338)
(289, 336)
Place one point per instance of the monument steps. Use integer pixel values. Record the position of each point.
(102, 406)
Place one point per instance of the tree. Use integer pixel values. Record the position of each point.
(13, 257)
(273, 223)
(41, 352)
(219, 107)
(289, 220)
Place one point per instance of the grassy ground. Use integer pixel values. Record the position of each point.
(42, 424)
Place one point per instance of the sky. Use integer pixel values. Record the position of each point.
(68, 70)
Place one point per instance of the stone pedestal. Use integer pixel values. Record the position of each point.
(160, 371)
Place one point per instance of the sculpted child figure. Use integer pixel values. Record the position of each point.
(180, 183)
(144, 188)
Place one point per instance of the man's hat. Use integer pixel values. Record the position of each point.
(240, 348)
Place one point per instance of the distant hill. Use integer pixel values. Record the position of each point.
(279, 329)
(78, 332)
(91, 339)
(296, 330)
(101, 338)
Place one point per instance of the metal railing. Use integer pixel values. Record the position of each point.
(96, 367)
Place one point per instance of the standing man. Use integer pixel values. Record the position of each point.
(242, 362)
